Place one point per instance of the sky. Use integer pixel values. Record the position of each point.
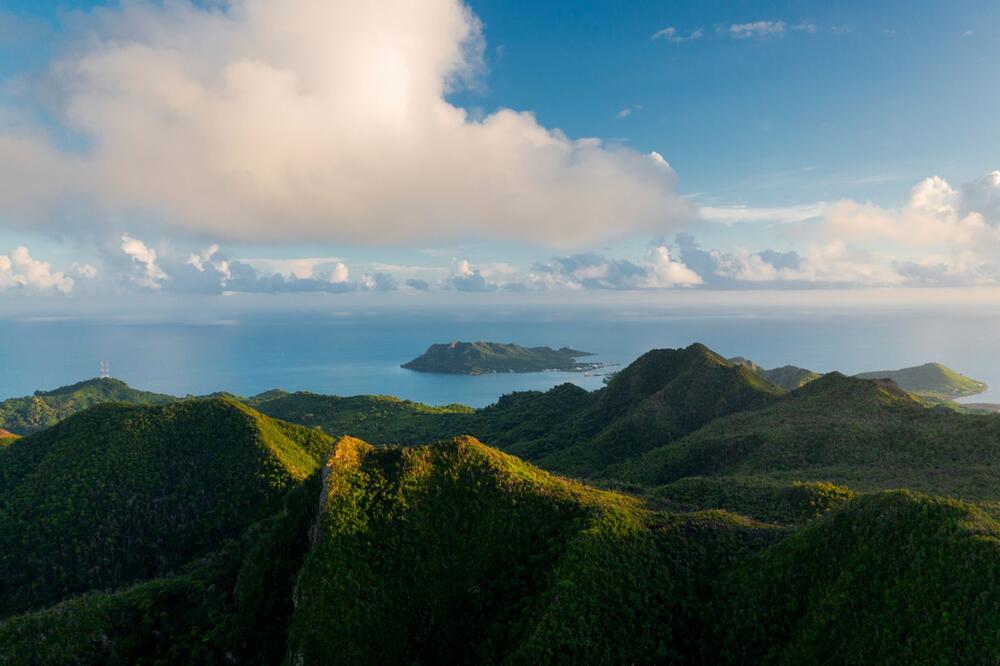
(176, 151)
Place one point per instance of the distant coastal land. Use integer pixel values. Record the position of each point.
(933, 382)
(481, 358)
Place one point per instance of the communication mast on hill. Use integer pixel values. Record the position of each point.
(105, 370)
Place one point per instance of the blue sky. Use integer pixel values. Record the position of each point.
(810, 145)
(880, 91)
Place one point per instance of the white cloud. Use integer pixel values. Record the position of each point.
(466, 278)
(85, 271)
(338, 273)
(759, 29)
(19, 269)
(199, 259)
(671, 34)
(738, 213)
(290, 120)
(942, 236)
(144, 257)
(934, 216)
(303, 268)
(665, 272)
(983, 196)
(595, 271)
(837, 263)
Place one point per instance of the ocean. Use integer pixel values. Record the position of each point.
(350, 353)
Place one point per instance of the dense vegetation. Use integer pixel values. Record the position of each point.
(894, 578)
(372, 417)
(765, 500)
(456, 553)
(122, 493)
(46, 408)
(860, 433)
(739, 523)
(479, 358)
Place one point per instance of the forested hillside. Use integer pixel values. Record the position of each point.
(721, 519)
(46, 408)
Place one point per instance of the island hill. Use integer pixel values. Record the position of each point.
(934, 382)
(482, 358)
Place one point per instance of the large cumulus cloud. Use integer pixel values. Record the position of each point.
(291, 120)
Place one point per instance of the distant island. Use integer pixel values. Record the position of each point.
(933, 382)
(481, 358)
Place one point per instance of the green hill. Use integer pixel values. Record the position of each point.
(867, 434)
(30, 414)
(121, 493)
(781, 503)
(893, 578)
(478, 358)
(383, 419)
(932, 380)
(254, 552)
(232, 606)
(663, 395)
(788, 377)
(456, 553)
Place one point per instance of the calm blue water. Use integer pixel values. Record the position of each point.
(361, 353)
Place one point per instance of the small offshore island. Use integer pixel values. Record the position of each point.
(482, 358)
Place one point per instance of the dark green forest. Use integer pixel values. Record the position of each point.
(690, 512)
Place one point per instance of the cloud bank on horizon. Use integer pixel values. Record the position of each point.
(272, 123)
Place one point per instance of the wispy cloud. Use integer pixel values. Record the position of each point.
(627, 111)
(757, 29)
(739, 213)
(671, 34)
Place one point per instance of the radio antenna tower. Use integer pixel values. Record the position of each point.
(105, 370)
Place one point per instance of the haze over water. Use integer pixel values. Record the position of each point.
(360, 353)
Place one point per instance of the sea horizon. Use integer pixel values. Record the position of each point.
(361, 352)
